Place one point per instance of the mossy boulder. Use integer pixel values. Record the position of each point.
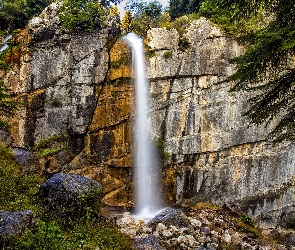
(71, 195)
(14, 223)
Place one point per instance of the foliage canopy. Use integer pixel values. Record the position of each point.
(144, 16)
(179, 8)
(14, 14)
(81, 15)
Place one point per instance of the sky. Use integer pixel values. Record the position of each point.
(121, 6)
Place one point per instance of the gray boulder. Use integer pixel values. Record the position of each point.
(15, 223)
(148, 242)
(5, 138)
(28, 161)
(70, 194)
(170, 216)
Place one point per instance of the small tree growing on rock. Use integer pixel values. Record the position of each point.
(8, 107)
(126, 23)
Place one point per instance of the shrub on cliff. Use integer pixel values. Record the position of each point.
(145, 16)
(18, 189)
(8, 106)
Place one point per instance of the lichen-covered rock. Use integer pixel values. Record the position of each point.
(15, 223)
(27, 160)
(71, 194)
(5, 138)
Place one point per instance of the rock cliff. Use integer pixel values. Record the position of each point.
(78, 91)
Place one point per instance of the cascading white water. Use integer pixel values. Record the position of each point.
(145, 160)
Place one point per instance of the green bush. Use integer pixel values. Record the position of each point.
(160, 143)
(225, 18)
(247, 220)
(81, 15)
(183, 43)
(49, 146)
(19, 190)
(181, 23)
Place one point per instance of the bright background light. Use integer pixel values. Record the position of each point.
(165, 3)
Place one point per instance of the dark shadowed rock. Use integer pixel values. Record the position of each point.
(289, 240)
(233, 208)
(287, 219)
(147, 243)
(15, 223)
(69, 194)
(28, 161)
(5, 138)
(170, 216)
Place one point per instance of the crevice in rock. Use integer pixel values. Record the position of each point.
(164, 123)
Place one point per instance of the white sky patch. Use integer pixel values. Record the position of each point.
(165, 3)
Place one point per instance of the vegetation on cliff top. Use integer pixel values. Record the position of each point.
(81, 15)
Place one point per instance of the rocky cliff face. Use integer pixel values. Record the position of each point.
(215, 155)
(79, 96)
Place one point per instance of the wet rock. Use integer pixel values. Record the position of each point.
(15, 223)
(67, 194)
(5, 138)
(28, 161)
(148, 242)
(170, 216)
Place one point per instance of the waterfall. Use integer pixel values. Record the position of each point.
(4, 44)
(145, 160)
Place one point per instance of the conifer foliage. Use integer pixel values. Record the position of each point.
(179, 8)
(268, 66)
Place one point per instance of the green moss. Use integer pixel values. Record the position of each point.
(49, 146)
(183, 43)
(247, 220)
(167, 54)
(149, 53)
(93, 234)
(155, 95)
(125, 59)
(49, 151)
(160, 143)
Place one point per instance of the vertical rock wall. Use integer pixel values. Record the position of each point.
(215, 155)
